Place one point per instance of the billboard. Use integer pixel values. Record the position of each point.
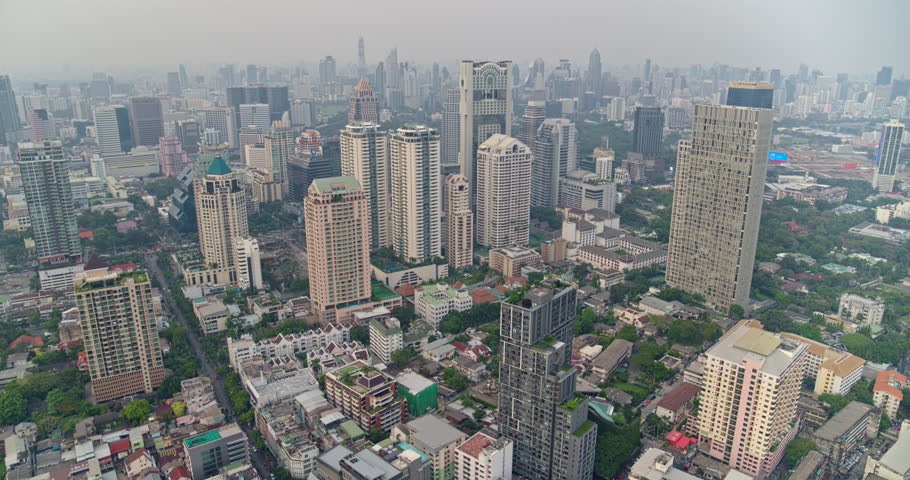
(777, 156)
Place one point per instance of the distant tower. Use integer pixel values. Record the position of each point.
(220, 119)
(221, 213)
(365, 157)
(450, 128)
(503, 192)
(535, 114)
(46, 182)
(647, 139)
(327, 70)
(112, 129)
(9, 118)
(255, 114)
(173, 84)
(363, 105)
(555, 154)
(42, 123)
(361, 57)
(883, 77)
(750, 94)
(147, 119)
(173, 158)
(280, 144)
(887, 155)
(338, 246)
(416, 193)
(459, 222)
(485, 109)
(595, 72)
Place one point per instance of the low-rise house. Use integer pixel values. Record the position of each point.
(675, 405)
(469, 368)
(617, 352)
(433, 302)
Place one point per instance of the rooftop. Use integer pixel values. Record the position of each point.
(679, 396)
(843, 422)
(218, 167)
(434, 432)
(335, 185)
(776, 354)
(476, 444)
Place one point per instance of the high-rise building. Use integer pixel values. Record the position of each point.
(586, 190)
(302, 113)
(538, 407)
(483, 457)
(883, 77)
(119, 330)
(112, 129)
(9, 118)
(603, 162)
(147, 120)
(276, 97)
(222, 120)
(49, 197)
(173, 84)
(555, 154)
(327, 70)
(363, 105)
(173, 158)
(221, 214)
(459, 222)
(365, 156)
(449, 137)
(748, 401)
(648, 131)
(255, 114)
(595, 71)
(189, 134)
(887, 155)
(750, 94)
(338, 246)
(416, 192)
(265, 188)
(247, 262)
(42, 124)
(280, 144)
(361, 57)
(720, 176)
(535, 114)
(485, 109)
(503, 192)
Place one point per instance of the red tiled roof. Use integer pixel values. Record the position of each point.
(95, 262)
(883, 383)
(133, 456)
(474, 445)
(121, 446)
(679, 396)
(405, 290)
(481, 295)
(124, 267)
(33, 341)
(459, 346)
(178, 473)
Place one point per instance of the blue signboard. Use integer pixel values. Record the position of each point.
(777, 156)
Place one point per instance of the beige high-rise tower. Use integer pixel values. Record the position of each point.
(503, 192)
(220, 214)
(720, 177)
(118, 330)
(338, 246)
(459, 222)
(416, 193)
(365, 156)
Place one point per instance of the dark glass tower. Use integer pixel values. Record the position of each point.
(750, 94)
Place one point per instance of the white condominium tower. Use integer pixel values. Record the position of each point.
(555, 155)
(886, 158)
(503, 202)
(459, 222)
(485, 109)
(717, 200)
(365, 156)
(414, 159)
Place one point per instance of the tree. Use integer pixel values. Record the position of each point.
(835, 402)
(627, 332)
(584, 323)
(137, 410)
(12, 406)
(360, 333)
(884, 423)
(376, 435)
(403, 356)
(179, 408)
(282, 474)
(736, 312)
(796, 450)
(454, 380)
(479, 413)
(616, 445)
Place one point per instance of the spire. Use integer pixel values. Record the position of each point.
(218, 167)
(363, 85)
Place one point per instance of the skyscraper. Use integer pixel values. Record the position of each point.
(450, 128)
(361, 57)
(534, 115)
(221, 119)
(503, 192)
(189, 134)
(750, 94)
(720, 175)
(42, 124)
(46, 182)
(338, 246)
(118, 330)
(538, 407)
(173, 158)
(748, 401)
(112, 129)
(255, 114)
(173, 84)
(327, 70)
(280, 144)
(887, 155)
(595, 71)
(459, 222)
(485, 108)
(365, 157)
(416, 193)
(555, 155)
(648, 131)
(883, 77)
(275, 96)
(221, 214)
(147, 119)
(363, 105)
(9, 119)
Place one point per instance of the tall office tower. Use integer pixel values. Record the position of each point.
(303, 168)
(883, 77)
(42, 124)
(646, 76)
(280, 144)
(887, 155)
(535, 114)
(327, 70)
(184, 78)
(276, 97)
(361, 58)
(226, 76)
(748, 402)
(555, 154)
(538, 407)
(222, 120)
(603, 162)
(720, 176)
(100, 86)
(595, 72)
(393, 69)
(173, 84)
(485, 109)
(173, 158)
(459, 222)
(46, 182)
(252, 75)
(9, 118)
(221, 214)
(365, 157)
(503, 192)
(189, 134)
(112, 129)
(648, 131)
(147, 119)
(255, 114)
(776, 79)
(414, 167)
(302, 113)
(363, 105)
(119, 330)
(750, 94)
(450, 132)
(338, 246)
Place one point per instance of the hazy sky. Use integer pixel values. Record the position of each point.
(855, 36)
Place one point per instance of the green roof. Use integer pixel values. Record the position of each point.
(218, 167)
(351, 429)
(583, 429)
(380, 291)
(335, 185)
(206, 437)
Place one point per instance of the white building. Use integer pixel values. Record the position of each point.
(248, 263)
(502, 192)
(586, 190)
(886, 213)
(861, 310)
(385, 338)
(432, 302)
(58, 279)
(365, 156)
(416, 193)
(257, 114)
(244, 348)
(482, 457)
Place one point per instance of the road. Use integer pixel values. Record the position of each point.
(664, 389)
(205, 365)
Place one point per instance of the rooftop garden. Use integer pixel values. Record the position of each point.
(545, 342)
(583, 429)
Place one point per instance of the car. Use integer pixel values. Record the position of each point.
(216, 378)
(648, 401)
